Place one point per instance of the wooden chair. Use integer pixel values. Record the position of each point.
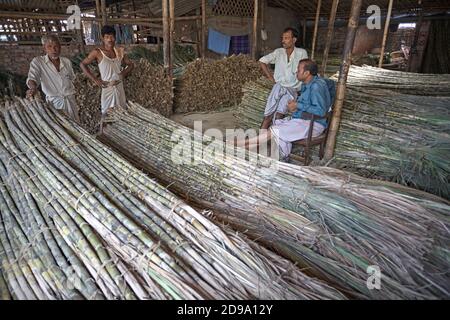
(311, 141)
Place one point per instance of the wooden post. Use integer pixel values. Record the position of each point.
(204, 39)
(413, 51)
(255, 29)
(386, 31)
(334, 7)
(166, 35)
(316, 28)
(98, 10)
(353, 24)
(304, 32)
(172, 36)
(263, 24)
(104, 14)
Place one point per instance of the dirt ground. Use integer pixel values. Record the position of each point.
(209, 120)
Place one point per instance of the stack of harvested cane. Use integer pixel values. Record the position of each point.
(383, 134)
(404, 82)
(210, 85)
(332, 223)
(79, 222)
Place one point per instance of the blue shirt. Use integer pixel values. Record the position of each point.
(315, 98)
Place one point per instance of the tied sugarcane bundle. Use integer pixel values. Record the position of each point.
(332, 223)
(383, 134)
(211, 85)
(79, 222)
(404, 82)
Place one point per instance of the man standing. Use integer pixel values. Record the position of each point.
(316, 98)
(55, 76)
(286, 86)
(110, 60)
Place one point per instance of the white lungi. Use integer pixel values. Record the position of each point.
(286, 131)
(112, 96)
(278, 100)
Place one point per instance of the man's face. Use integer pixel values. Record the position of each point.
(301, 73)
(52, 49)
(288, 40)
(109, 40)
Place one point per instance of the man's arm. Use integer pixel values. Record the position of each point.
(84, 65)
(264, 64)
(129, 66)
(266, 71)
(34, 78)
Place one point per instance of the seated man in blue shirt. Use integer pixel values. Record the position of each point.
(315, 99)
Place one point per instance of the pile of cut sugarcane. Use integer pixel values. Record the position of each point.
(210, 85)
(404, 82)
(334, 224)
(79, 222)
(383, 134)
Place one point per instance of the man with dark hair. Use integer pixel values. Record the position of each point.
(315, 99)
(286, 84)
(55, 76)
(110, 60)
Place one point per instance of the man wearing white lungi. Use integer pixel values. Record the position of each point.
(55, 76)
(287, 85)
(110, 60)
(315, 99)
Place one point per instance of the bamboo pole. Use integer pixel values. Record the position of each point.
(166, 35)
(171, 36)
(204, 39)
(97, 9)
(386, 31)
(51, 16)
(304, 32)
(334, 7)
(104, 14)
(342, 81)
(416, 39)
(255, 29)
(316, 27)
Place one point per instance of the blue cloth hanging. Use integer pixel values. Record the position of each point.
(218, 42)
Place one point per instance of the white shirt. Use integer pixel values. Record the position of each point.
(57, 86)
(286, 71)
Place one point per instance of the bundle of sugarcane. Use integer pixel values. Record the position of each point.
(405, 82)
(211, 85)
(78, 221)
(397, 137)
(323, 220)
(383, 134)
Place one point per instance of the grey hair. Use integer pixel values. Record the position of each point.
(48, 38)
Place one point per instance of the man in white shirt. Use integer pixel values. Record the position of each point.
(286, 85)
(55, 76)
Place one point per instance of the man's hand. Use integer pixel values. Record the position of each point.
(271, 78)
(31, 92)
(292, 105)
(101, 83)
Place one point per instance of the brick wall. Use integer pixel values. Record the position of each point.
(365, 41)
(16, 58)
